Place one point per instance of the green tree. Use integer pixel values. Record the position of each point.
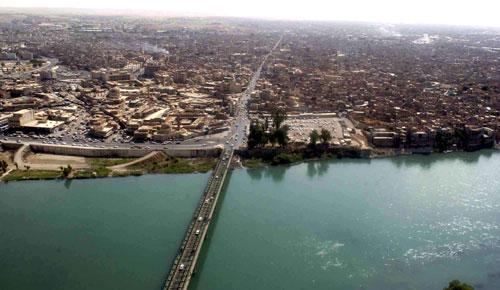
(266, 124)
(457, 285)
(313, 138)
(461, 135)
(66, 171)
(3, 165)
(279, 116)
(442, 140)
(256, 136)
(325, 136)
(272, 137)
(282, 136)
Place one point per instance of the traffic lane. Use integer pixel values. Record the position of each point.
(21, 140)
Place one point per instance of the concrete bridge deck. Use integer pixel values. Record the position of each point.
(184, 264)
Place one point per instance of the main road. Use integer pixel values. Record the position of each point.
(184, 264)
(49, 63)
(242, 121)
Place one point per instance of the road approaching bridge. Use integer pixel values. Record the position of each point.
(185, 262)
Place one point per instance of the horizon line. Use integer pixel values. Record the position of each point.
(185, 14)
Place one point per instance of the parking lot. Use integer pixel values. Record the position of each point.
(300, 128)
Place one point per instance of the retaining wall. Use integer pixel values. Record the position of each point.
(114, 152)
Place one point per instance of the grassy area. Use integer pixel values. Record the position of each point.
(105, 162)
(287, 158)
(91, 173)
(32, 175)
(177, 165)
(127, 173)
(253, 163)
(99, 167)
(82, 174)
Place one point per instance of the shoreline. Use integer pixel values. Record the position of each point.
(16, 175)
(256, 163)
(108, 168)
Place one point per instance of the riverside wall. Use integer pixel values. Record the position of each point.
(114, 152)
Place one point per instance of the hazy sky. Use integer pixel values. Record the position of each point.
(466, 12)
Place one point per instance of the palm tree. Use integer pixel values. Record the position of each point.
(313, 138)
(325, 136)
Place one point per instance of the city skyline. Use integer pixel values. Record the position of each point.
(463, 12)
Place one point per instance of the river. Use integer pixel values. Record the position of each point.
(112, 233)
(403, 223)
(412, 222)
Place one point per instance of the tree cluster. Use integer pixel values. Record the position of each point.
(66, 171)
(457, 285)
(262, 134)
(325, 137)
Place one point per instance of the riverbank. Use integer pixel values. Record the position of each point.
(275, 157)
(115, 167)
(44, 166)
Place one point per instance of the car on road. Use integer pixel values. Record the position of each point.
(197, 232)
(182, 267)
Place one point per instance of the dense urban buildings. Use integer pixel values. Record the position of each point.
(87, 96)
(82, 78)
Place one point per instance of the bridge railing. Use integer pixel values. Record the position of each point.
(214, 184)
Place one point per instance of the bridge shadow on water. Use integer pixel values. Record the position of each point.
(194, 283)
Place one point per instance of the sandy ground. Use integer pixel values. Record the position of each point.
(54, 162)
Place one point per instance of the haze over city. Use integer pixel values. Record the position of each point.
(453, 12)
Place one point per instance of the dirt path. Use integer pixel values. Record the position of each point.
(124, 166)
(18, 156)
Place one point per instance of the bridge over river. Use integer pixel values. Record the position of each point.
(185, 262)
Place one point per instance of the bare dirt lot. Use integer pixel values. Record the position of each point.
(54, 162)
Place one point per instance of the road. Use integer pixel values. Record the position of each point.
(111, 145)
(184, 265)
(50, 62)
(239, 130)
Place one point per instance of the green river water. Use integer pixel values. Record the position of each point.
(112, 233)
(397, 223)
